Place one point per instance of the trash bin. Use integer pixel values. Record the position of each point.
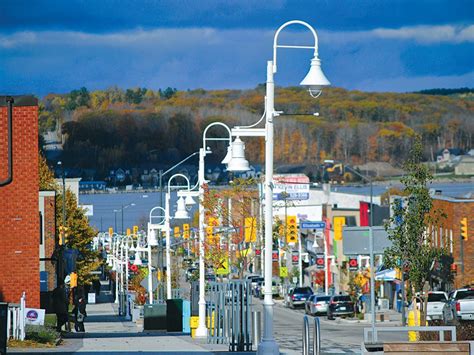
(154, 316)
(195, 298)
(3, 327)
(174, 315)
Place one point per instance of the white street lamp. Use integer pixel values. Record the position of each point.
(152, 241)
(201, 330)
(181, 213)
(315, 80)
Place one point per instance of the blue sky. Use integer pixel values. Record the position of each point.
(378, 45)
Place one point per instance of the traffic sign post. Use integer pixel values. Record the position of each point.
(313, 225)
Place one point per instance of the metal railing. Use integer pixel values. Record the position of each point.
(229, 315)
(16, 320)
(439, 329)
(316, 350)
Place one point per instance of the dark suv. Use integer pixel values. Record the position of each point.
(340, 306)
(299, 295)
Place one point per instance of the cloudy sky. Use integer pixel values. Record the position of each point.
(371, 45)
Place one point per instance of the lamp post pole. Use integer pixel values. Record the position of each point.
(268, 344)
(371, 251)
(168, 247)
(201, 330)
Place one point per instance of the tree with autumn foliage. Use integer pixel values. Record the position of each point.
(80, 233)
(232, 243)
(413, 248)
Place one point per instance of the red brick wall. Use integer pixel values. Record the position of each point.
(19, 221)
(456, 210)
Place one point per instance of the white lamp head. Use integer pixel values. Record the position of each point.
(238, 161)
(152, 240)
(138, 260)
(228, 156)
(189, 201)
(181, 212)
(315, 80)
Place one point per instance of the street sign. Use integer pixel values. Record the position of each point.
(290, 187)
(283, 271)
(320, 261)
(312, 225)
(275, 255)
(223, 268)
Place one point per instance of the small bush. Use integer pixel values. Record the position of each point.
(41, 334)
(464, 331)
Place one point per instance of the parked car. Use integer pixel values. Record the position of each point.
(460, 305)
(317, 304)
(275, 289)
(340, 306)
(299, 295)
(436, 302)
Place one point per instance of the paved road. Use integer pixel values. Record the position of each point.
(337, 336)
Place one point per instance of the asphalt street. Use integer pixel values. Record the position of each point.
(337, 336)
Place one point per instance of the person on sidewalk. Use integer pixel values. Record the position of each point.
(60, 303)
(79, 312)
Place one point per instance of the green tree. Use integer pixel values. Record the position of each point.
(408, 228)
(80, 233)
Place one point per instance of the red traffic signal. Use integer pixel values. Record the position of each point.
(258, 252)
(353, 264)
(275, 255)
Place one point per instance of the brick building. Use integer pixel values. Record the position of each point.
(19, 251)
(448, 234)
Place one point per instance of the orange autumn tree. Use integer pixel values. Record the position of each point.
(228, 235)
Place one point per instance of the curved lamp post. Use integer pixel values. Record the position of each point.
(315, 81)
(181, 213)
(234, 158)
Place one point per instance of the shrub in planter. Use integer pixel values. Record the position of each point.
(41, 334)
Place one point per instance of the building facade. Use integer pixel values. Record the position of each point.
(19, 217)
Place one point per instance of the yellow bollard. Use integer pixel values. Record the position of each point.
(413, 321)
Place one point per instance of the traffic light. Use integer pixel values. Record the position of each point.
(353, 264)
(291, 229)
(186, 231)
(63, 235)
(320, 261)
(250, 229)
(464, 231)
(111, 231)
(135, 230)
(176, 231)
(129, 231)
(211, 223)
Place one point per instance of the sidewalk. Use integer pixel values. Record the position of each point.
(107, 332)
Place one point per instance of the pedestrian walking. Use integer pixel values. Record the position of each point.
(60, 303)
(79, 312)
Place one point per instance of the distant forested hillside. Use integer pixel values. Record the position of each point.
(139, 126)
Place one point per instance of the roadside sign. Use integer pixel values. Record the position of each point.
(283, 271)
(290, 187)
(313, 225)
(223, 267)
(275, 255)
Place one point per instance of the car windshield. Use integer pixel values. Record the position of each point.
(342, 298)
(303, 290)
(461, 295)
(436, 297)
